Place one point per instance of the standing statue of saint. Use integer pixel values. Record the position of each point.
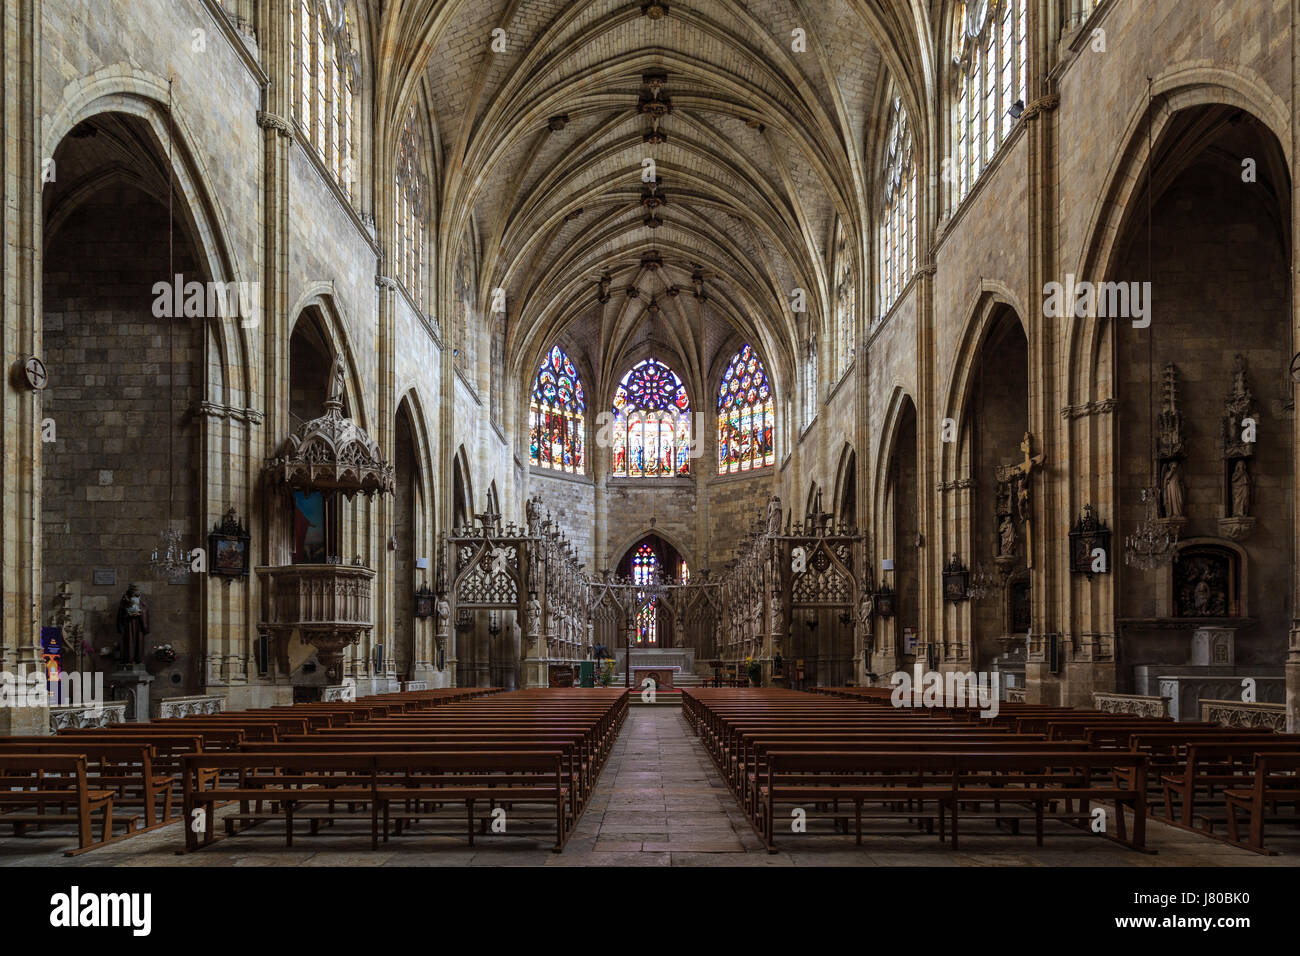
(1240, 490)
(774, 515)
(1172, 489)
(132, 626)
(1006, 537)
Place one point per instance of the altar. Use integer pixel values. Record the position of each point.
(661, 674)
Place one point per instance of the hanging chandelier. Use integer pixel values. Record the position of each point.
(170, 558)
(1152, 544)
(982, 584)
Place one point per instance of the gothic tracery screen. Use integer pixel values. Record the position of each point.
(327, 74)
(745, 417)
(556, 415)
(652, 423)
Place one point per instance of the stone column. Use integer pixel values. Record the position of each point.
(20, 469)
(1292, 669)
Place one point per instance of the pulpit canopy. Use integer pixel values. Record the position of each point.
(331, 453)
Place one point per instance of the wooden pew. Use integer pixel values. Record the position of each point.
(35, 782)
(125, 769)
(1276, 781)
(950, 780)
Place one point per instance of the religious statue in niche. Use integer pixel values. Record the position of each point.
(132, 626)
(1202, 582)
(533, 616)
(1173, 493)
(1240, 489)
(778, 616)
(1238, 407)
(774, 515)
(1006, 537)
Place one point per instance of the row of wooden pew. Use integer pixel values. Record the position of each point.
(853, 754)
(492, 763)
(322, 762)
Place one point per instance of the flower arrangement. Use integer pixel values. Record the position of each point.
(754, 670)
(607, 672)
(164, 653)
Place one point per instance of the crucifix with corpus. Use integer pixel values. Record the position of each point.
(1018, 476)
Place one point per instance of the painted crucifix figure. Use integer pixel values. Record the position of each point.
(1018, 477)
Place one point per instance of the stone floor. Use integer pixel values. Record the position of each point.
(659, 802)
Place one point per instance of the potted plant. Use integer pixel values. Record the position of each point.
(755, 671)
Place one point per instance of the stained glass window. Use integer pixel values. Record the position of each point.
(652, 423)
(326, 77)
(644, 564)
(411, 212)
(897, 243)
(556, 415)
(989, 50)
(745, 415)
(845, 302)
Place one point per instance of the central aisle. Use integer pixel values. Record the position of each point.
(660, 794)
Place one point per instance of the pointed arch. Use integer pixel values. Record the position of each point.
(462, 492)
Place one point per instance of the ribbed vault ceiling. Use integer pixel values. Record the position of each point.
(760, 150)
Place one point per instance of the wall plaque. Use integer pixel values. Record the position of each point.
(105, 577)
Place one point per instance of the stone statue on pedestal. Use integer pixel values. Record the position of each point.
(774, 515)
(1240, 490)
(132, 626)
(1006, 537)
(1172, 489)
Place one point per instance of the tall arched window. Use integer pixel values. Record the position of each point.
(327, 76)
(652, 423)
(808, 383)
(897, 239)
(989, 52)
(555, 425)
(845, 301)
(745, 416)
(645, 563)
(411, 208)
